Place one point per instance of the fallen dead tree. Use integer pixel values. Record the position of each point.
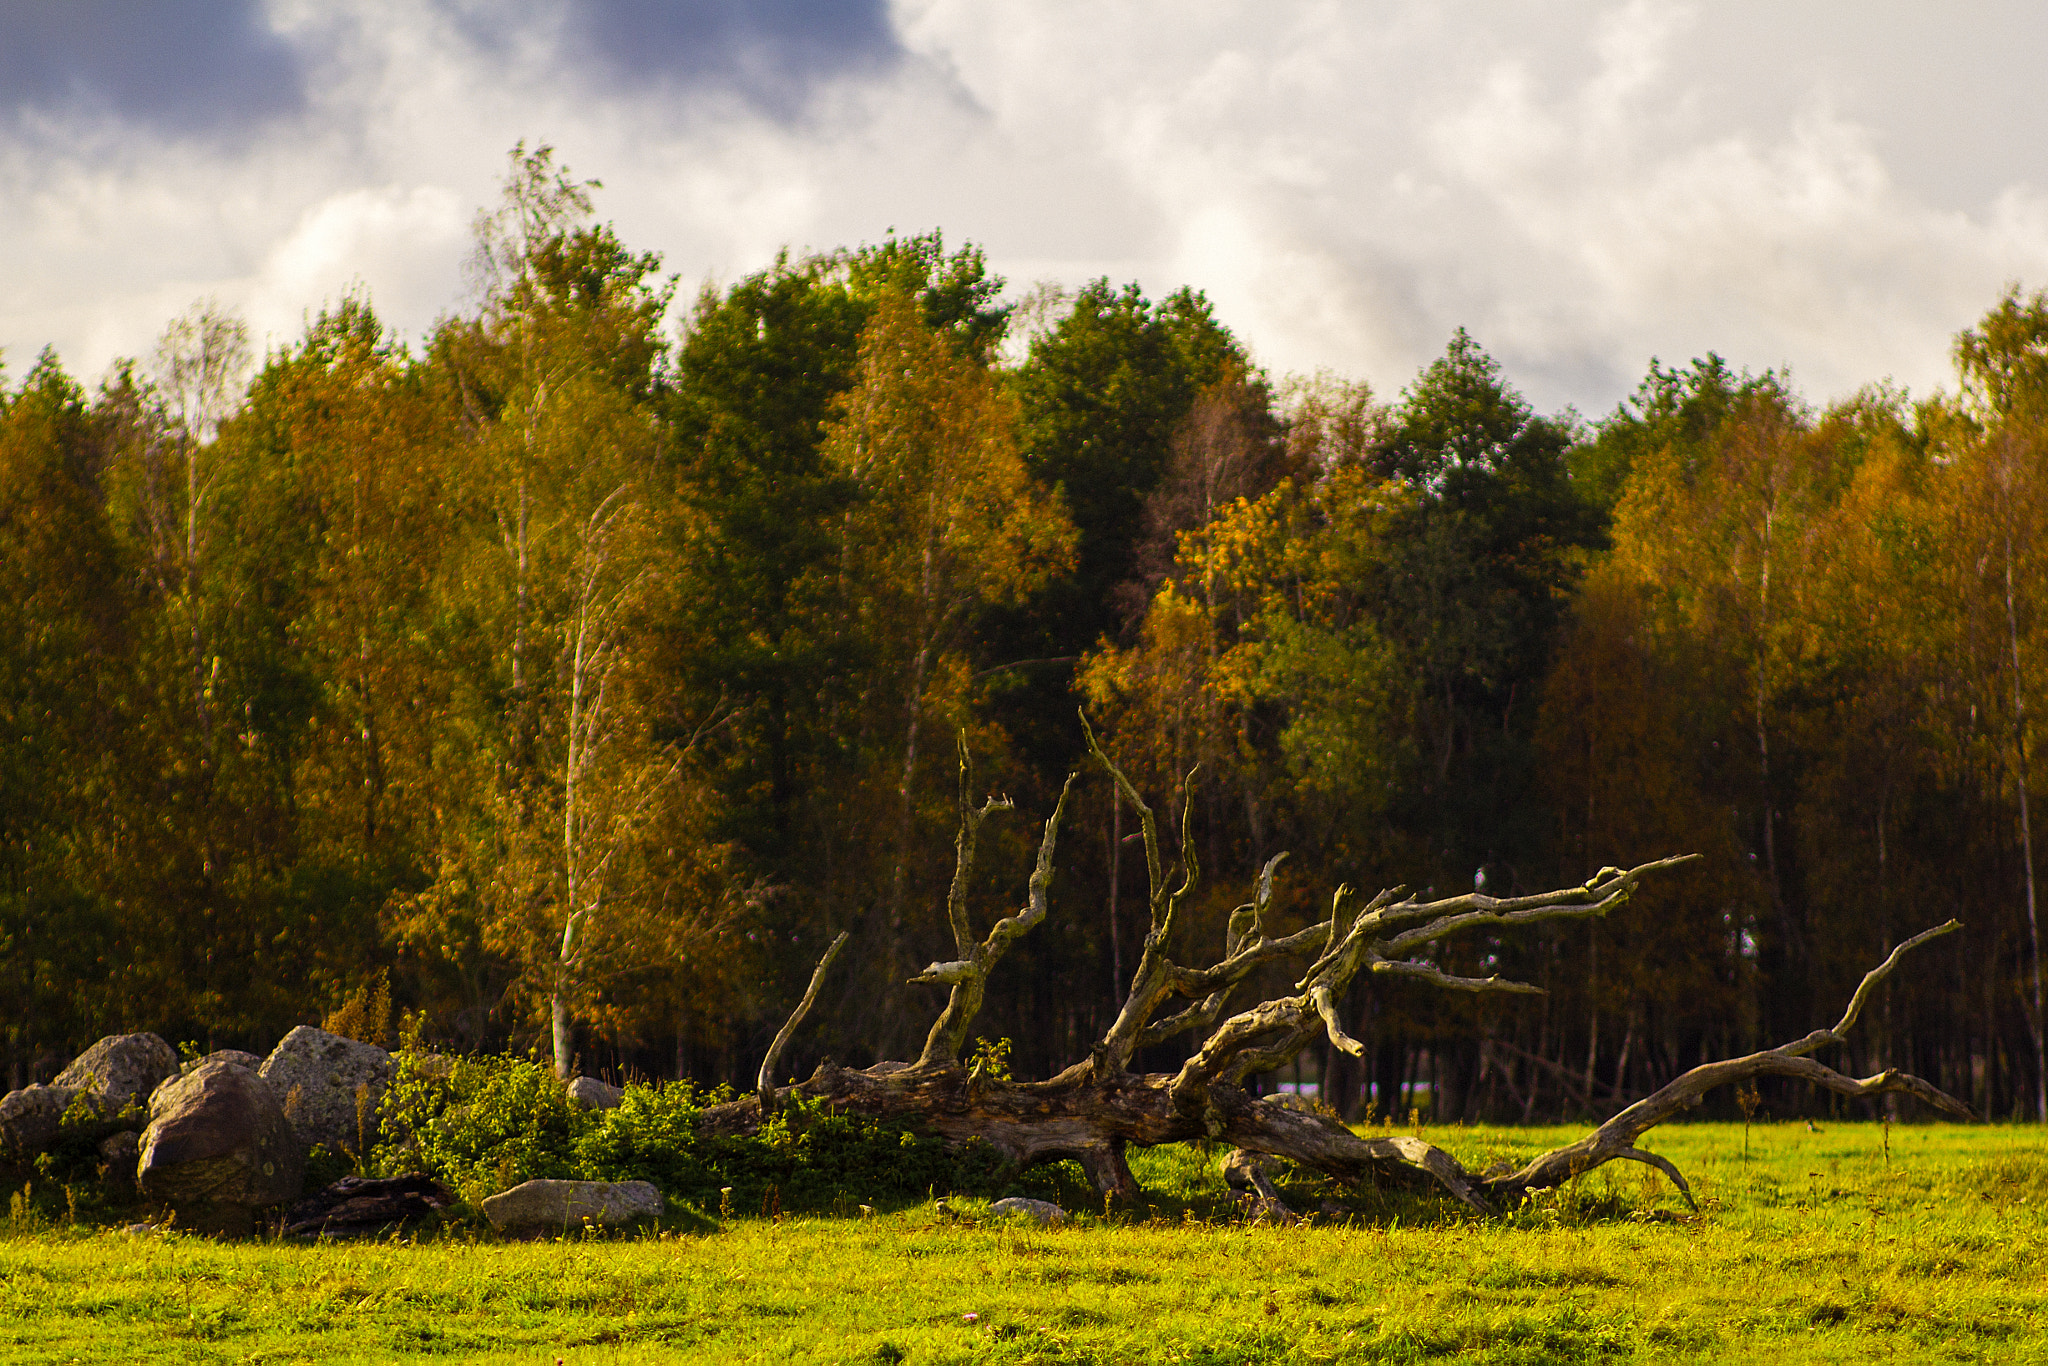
(1096, 1108)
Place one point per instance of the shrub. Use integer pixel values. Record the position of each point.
(481, 1124)
(485, 1124)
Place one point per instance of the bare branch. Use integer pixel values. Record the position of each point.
(1035, 897)
(1429, 973)
(1882, 971)
(1600, 894)
(968, 975)
(1617, 1137)
(1162, 925)
(1147, 822)
(1663, 1165)
(764, 1085)
(971, 818)
(1326, 1006)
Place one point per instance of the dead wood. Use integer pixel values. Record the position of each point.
(764, 1086)
(1098, 1107)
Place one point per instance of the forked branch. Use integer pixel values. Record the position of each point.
(968, 974)
(1616, 1138)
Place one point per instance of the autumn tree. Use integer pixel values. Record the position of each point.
(944, 523)
(63, 676)
(579, 863)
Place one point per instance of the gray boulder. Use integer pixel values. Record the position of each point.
(330, 1087)
(592, 1094)
(568, 1204)
(31, 1118)
(218, 1148)
(1041, 1212)
(122, 1069)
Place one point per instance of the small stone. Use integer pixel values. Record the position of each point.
(1041, 1212)
(568, 1204)
(592, 1094)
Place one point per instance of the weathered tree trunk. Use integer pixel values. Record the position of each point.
(1093, 1111)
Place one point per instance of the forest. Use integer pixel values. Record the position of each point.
(566, 682)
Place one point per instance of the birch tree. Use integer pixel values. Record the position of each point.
(946, 523)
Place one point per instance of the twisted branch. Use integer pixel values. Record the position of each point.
(968, 974)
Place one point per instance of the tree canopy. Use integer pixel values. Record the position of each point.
(582, 670)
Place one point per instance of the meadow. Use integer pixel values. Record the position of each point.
(1846, 1242)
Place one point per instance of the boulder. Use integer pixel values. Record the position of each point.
(122, 1069)
(356, 1206)
(218, 1148)
(31, 1118)
(330, 1087)
(568, 1204)
(592, 1094)
(1041, 1212)
(191, 1065)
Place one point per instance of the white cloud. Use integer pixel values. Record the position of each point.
(393, 243)
(1582, 185)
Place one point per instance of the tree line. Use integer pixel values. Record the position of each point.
(572, 680)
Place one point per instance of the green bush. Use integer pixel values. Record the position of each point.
(481, 1124)
(485, 1124)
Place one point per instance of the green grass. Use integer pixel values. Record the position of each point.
(1814, 1249)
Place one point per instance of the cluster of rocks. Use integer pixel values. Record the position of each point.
(223, 1137)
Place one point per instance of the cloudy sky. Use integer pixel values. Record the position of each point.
(1836, 186)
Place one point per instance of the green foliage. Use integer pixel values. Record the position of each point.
(990, 1061)
(479, 1124)
(803, 1158)
(324, 1167)
(1102, 395)
(486, 1124)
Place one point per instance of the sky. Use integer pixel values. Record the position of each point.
(1834, 187)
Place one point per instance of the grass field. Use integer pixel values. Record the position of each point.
(1815, 1248)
